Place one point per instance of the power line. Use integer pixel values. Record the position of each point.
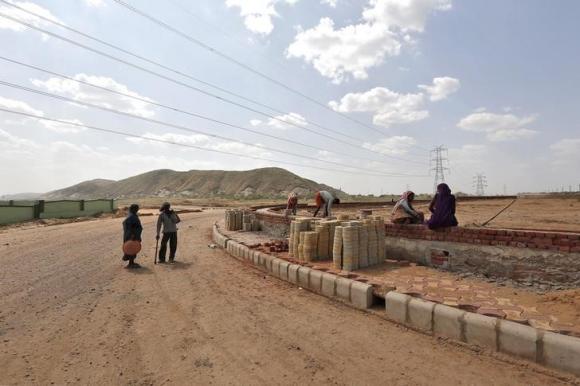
(148, 101)
(144, 100)
(160, 65)
(480, 183)
(184, 128)
(437, 159)
(207, 93)
(130, 135)
(240, 64)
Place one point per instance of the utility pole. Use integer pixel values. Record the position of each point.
(480, 183)
(437, 159)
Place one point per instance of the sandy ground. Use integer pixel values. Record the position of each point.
(70, 314)
(559, 214)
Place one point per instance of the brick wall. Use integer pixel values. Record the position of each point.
(551, 241)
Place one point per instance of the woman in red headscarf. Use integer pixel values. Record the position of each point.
(404, 213)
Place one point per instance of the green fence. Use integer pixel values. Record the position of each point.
(19, 211)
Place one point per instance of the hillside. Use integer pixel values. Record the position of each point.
(257, 183)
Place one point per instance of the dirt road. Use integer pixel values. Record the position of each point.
(70, 314)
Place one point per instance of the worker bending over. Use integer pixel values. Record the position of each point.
(326, 199)
(292, 205)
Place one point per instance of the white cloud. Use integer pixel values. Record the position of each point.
(23, 107)
(389, 107)
(330, 3)
(396, 145)
(442, 87)
(10, 143)
(255, 122)
(353, 49)
(258, 14)
(498, 127)
(95, 3)
(291, 118)
(405, 15)
(193, 139)
(387, 25)
(84, 93)
(63, 128)
(25, 17)
(566, 151)
(203, 141)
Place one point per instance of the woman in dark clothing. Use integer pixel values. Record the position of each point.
(442, 208)
(132, 230)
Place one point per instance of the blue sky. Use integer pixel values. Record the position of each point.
(494, 81)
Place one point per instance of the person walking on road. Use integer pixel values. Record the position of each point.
(167, 220)
(132, 230)
(326, 199)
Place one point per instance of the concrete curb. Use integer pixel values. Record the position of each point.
(549, 349)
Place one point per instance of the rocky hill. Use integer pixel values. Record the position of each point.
(257, 183)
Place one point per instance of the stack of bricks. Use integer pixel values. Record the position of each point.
(552, 241)
(234, 219)
(359, 244)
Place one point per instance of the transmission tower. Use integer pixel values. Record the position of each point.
(480, 183)
(439, 155)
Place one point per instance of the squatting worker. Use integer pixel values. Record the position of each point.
(292, 205)
(325, 199)
(403, 211)
(132, 230)
(168, 219)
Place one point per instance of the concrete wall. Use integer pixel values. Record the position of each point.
(531, 267)
(61, 209)
(13, 214)
(98, 206)
(15, 211)
(538, 259)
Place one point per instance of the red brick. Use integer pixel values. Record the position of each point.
(564, 249)
(575, 249)
(563, 242)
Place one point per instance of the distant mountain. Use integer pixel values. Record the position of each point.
(257, 183)
(21, 196)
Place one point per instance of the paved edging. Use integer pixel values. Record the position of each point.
(546, 348)
(357, 294)
(549, 349)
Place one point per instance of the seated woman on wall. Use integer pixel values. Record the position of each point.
(404, 213)
(442, 208)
